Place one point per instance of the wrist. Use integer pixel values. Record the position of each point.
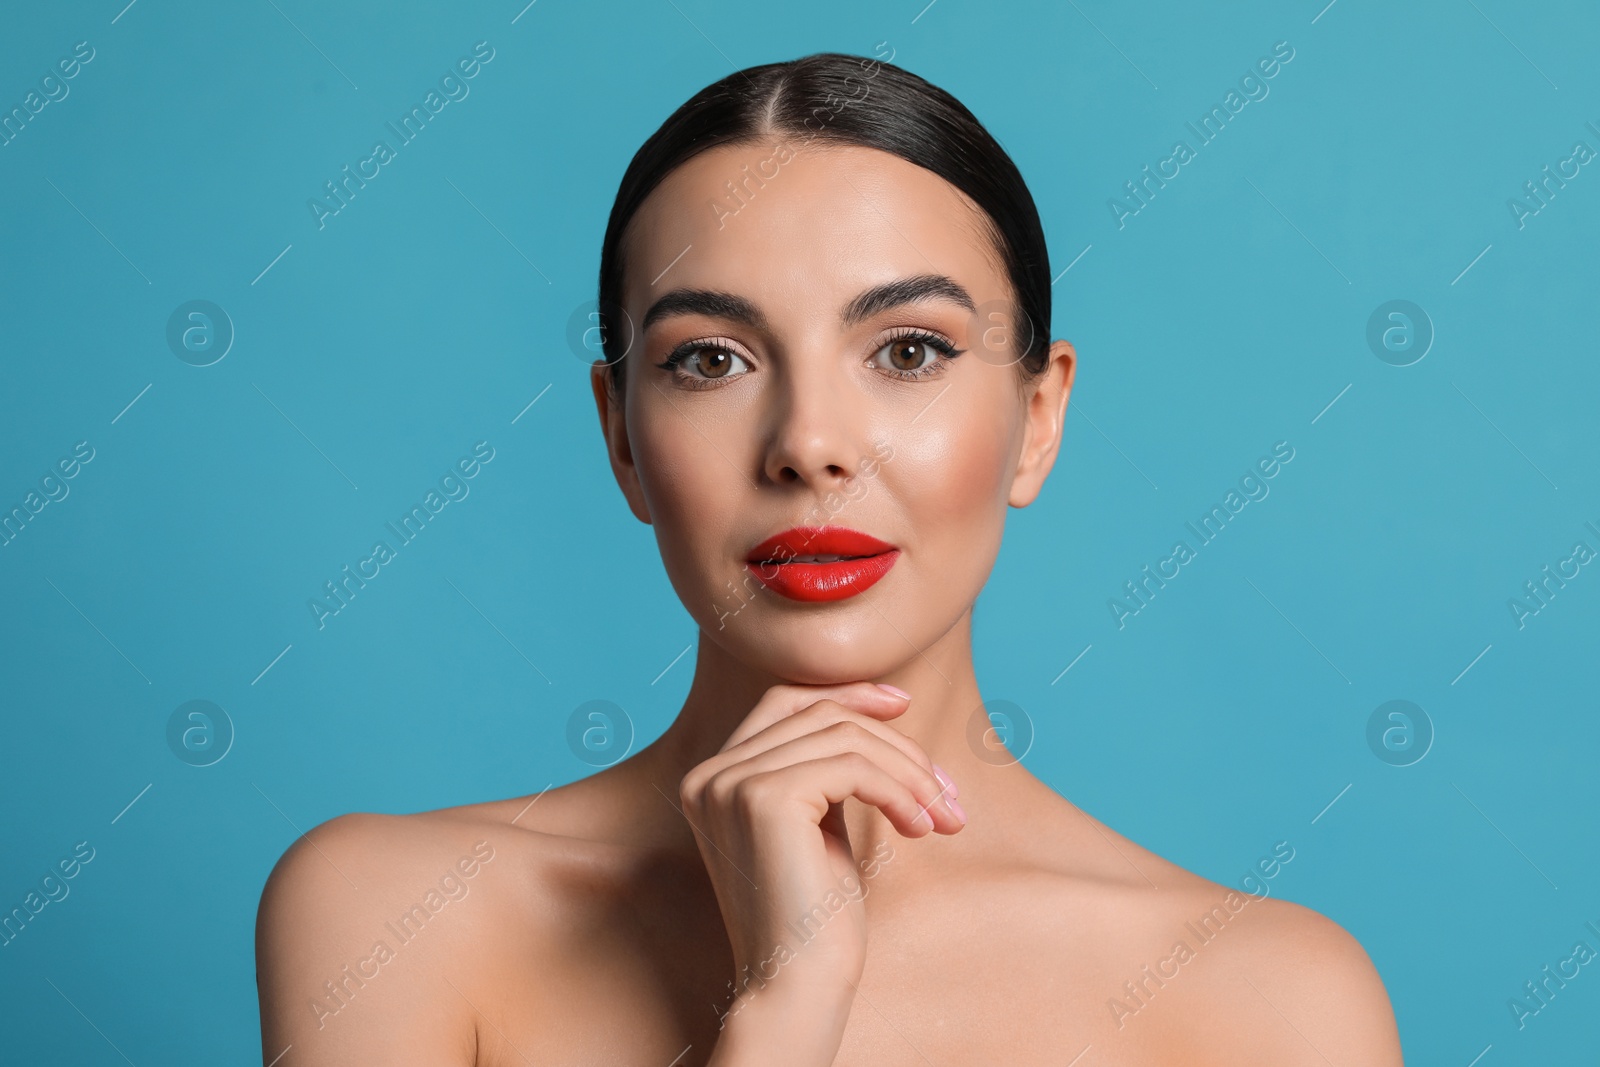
(794, 1029)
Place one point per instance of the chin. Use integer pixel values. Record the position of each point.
(815, 652)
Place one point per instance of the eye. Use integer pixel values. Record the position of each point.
(915, 354)
(701, 364)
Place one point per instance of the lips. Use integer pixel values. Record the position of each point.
(820, 563)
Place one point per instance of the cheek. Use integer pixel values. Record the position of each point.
(956, 477)
(687, 485)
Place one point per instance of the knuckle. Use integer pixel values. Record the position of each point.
(696, 782)
(719, 790)
(813, 716)
(850, 732)
(693, 807)
(856, 762)
(750, 795)
(826, 709)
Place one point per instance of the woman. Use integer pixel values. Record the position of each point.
(827, 376)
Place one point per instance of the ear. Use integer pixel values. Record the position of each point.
(614, 425)
(1046, 411)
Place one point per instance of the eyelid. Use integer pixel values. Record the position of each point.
(708, 341)
(896, 333)
(938, 340)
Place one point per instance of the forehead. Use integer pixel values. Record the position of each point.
(806, 224)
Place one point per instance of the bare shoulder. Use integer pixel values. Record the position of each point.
(377, 935)
(1192, 970)
(1297, 988)
(1240, 976)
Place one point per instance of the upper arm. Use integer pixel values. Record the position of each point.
(1315, 995)
(336, 984)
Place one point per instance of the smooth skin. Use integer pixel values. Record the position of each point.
(977, 917)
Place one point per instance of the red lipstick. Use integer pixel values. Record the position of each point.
(818, 563)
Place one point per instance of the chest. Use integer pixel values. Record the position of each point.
(648, 986)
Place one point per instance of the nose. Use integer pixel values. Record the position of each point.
(815, 426)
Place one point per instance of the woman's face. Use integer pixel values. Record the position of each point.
(795, 402)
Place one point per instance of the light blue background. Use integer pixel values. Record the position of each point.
(1226, 316)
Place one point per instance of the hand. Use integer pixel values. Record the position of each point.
(768, 813)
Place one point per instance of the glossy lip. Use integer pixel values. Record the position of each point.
(771, 562)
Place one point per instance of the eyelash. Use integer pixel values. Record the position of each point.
(947, 352)
(687, 349)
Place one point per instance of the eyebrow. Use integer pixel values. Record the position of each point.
(905, 291)
(723, 305)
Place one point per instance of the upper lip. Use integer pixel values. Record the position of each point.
(817, 541)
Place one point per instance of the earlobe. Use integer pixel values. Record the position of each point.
(613, 427)
(1045, 415)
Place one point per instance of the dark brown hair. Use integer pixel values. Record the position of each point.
(848, 100)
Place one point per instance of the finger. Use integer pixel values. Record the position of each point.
(819, 716)
(844, 737)
(816, 784)
(781, 701)
(833, 823)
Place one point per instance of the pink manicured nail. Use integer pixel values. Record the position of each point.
(960, 812)
(944, 780)
(901, 693)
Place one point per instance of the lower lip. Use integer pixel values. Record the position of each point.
(815, 582)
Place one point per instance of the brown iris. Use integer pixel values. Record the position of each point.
(911, 349)
(714, 362)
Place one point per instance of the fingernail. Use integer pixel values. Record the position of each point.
(957, 808)
(901, 693)
(944, 780)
